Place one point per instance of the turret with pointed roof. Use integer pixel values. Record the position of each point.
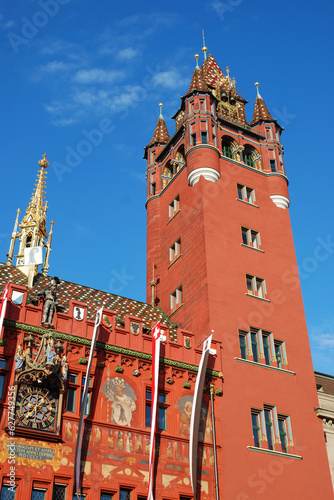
(161, 135)
(261, 112)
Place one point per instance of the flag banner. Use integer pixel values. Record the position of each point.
(196, 413)
(156, 337)
(33, 256)
(3, 307)
(84, 402)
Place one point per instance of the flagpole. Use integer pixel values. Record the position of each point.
(214, 441)
(83, 406)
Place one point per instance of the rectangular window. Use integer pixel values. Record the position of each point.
(125, 494)
(7, 492)
(255, 347)
(250, 237)
(162, 410)
(3, 373)
(176, 299)
(279, 353)
(175, 251)
(193, 139)
(256, 428)
(174, 207)
(202, 106)
(266, 347)
(268, 133)
(283, 433)
(106, 496)
(74, 389)
(270, 430)
(204, 137)
(255, 286)
(37, 494)
(70, 399)
(246, 194)
(59, 492)
(261, 347)
(243, 344)
(273, 165)
(191, 106)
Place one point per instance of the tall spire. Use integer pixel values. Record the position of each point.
(32, 230)
(261, 112)
(204, 48)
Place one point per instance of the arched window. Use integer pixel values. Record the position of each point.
(249, 158)
(168, 171)
(227, 147)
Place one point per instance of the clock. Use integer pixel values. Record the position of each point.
(36, 408)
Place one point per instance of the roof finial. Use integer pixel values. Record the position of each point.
(160, 105)
(257, 90)
(204, 48)
(196, 57)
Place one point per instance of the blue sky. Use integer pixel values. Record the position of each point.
(81, 81)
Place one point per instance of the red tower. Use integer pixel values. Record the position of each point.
(220, 256)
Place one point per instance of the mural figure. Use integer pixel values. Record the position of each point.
(110, 439)
(184, 429)
(123, 405)
(205, 423)
(19, 358)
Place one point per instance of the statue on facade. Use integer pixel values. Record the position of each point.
(19, 358)
(50, 352)
(51, 302)
(64, 367)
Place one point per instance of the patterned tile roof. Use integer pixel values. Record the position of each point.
(161, 135)
(210, 71)
(197, 83)
(91, 297)
(261, 112)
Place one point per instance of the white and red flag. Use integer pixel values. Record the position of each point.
(3, 307)
(156, 338)
(84, 404)
(196, 412)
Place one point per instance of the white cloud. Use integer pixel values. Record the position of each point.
(322, 335)
(55, 66)
(170, 79)
(127, 54)
(97, 75)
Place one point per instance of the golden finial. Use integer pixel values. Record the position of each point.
(257, 90)
(160, 106)
(227, 72)
(43, 163)
(204, 48)
(196, 57)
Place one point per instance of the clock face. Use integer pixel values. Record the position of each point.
(36, 408)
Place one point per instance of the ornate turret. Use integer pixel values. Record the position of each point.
(32, 232)
(261, 112)
(161, 135)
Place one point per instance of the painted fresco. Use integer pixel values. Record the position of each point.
(184, 406)
(120, 401)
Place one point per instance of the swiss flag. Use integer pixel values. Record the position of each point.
(3, 307)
